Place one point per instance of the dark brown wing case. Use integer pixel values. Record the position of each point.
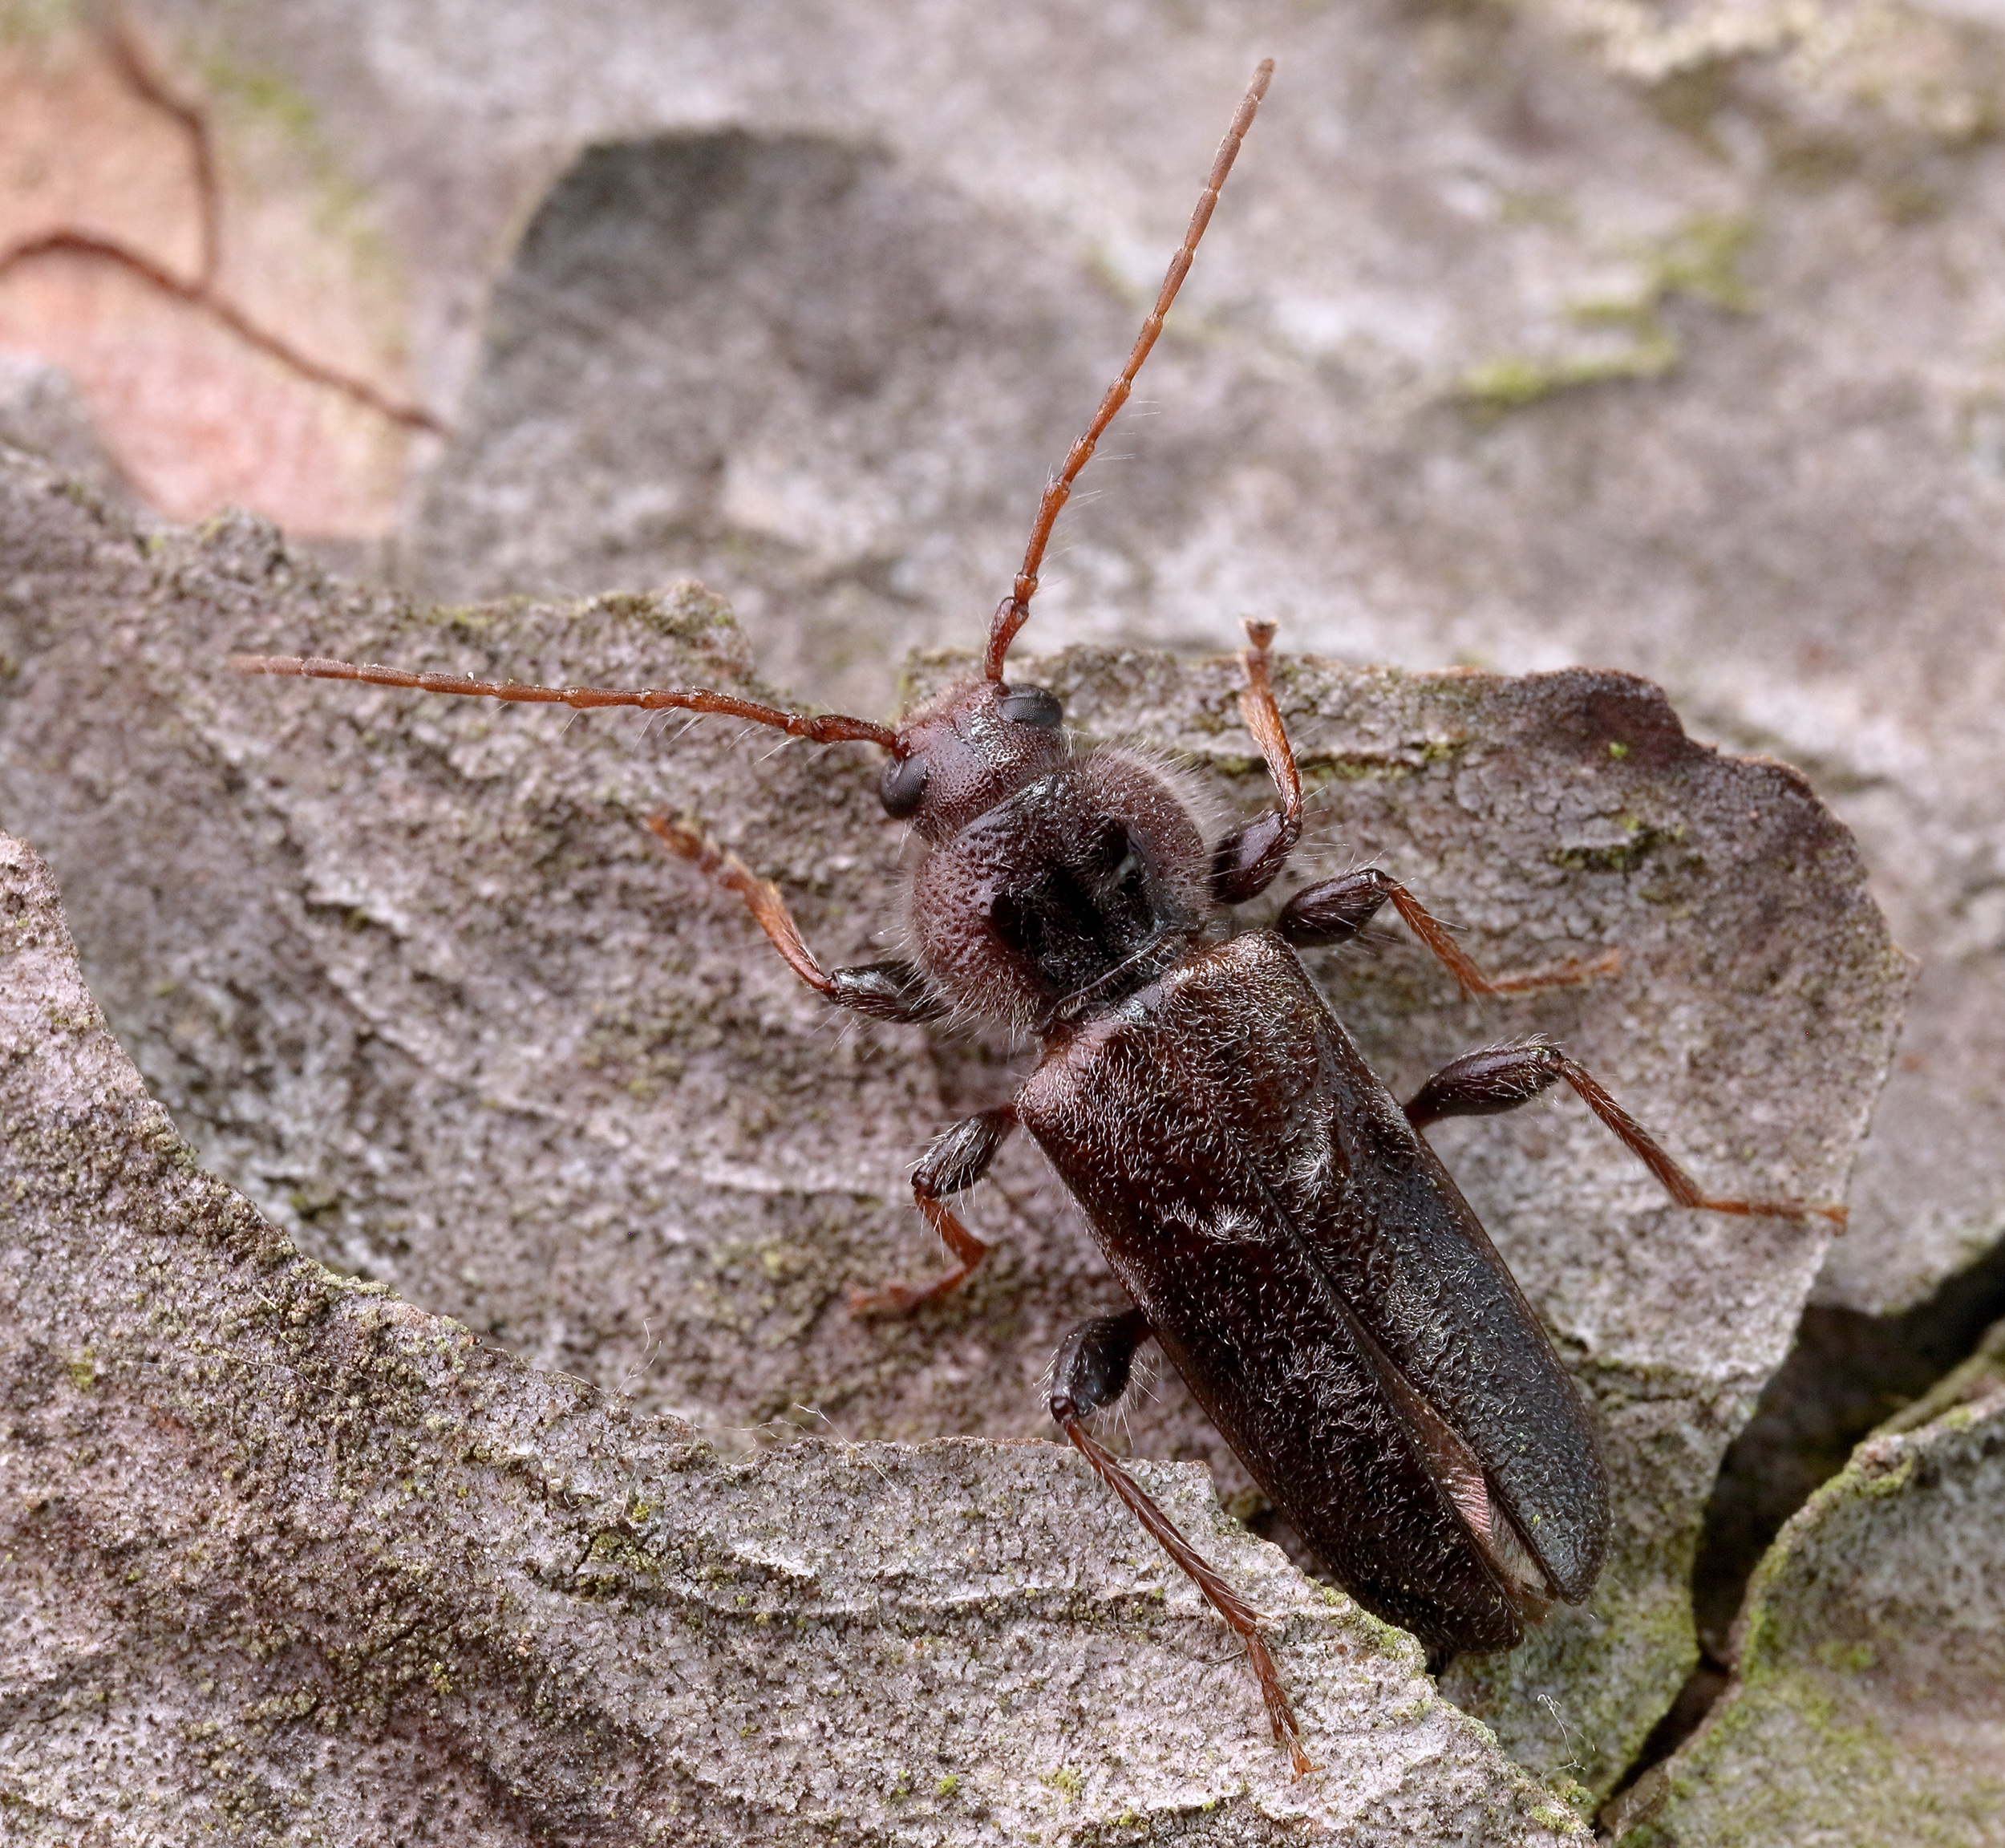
(1324, 1290)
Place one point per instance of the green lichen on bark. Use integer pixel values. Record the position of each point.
(414, 971)
(1866, 1707)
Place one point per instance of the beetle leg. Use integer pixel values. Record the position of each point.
(1248, 859)
(1092, 1370)
(1500, 1078)
(1335, 911)
(1339, 909)
(1094, 1362)
(957, 1160)
(894, 992)
(1487, 1082)
(883, 990)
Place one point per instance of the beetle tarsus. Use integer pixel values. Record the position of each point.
(1239, 1615)
(1495, 1079)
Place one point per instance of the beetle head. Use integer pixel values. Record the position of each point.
(974, 747)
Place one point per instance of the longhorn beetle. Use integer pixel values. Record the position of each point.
(1281, 1227)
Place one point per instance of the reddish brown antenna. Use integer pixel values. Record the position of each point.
(823, 728)
(1014, 610)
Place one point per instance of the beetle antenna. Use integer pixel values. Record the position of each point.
(823, 728)
(1014, 610)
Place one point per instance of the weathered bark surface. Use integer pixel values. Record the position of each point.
(410, 973)
(1658, 338)
(285, 1559)
(42, 412)
(1661, 338)
(1868, 1703)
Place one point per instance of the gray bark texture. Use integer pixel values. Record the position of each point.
(287, 1559)
(1529, 332)
(410, 974)
(1868, 1703)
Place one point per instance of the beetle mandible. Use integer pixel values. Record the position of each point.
(1283, 1230)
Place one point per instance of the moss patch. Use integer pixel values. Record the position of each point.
(1699, 260)
(1866, 1676)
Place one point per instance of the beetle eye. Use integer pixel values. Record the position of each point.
(903, 783)
(1033, 706)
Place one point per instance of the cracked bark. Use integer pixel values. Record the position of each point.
(410, 975)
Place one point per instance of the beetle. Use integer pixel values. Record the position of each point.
(1280, 1225)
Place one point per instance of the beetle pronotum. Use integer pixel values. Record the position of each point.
(1281, 1227)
